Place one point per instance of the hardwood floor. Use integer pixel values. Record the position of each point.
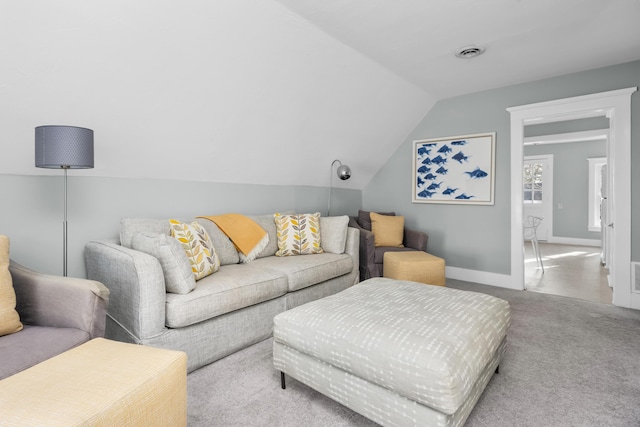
(571, 271)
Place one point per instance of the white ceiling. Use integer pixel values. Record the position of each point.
(524, 40)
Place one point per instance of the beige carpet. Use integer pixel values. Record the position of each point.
(568, 363)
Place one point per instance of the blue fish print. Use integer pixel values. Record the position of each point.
(422, 151)
(434, 186)
(449, 190)
(442, 171)
(464, 197)
(430, 176)
(445, 149)
(461, 142)
(439, 160)
(426, 194)
(423, 169)
(460, 157)
(426, 161)
(477, 173)
(425, 150)
(420, 182)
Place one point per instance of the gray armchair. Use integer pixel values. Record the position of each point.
(58, 313)
(371, 257)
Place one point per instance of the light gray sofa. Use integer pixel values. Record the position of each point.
(228, 310)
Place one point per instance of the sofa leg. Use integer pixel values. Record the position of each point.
(282, 382)
(497, 369)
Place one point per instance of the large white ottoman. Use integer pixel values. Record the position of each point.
(397, 352)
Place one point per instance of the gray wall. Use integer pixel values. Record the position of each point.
(571, 185)
(473, 237)
(32, 209)
(478, 237)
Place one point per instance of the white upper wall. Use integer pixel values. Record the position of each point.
(237, 91)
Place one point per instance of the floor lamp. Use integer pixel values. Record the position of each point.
(343, 172)
(64, 147)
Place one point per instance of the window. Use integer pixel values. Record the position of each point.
(532, 181)
(596, 166)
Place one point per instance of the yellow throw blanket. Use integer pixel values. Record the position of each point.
(246, 234)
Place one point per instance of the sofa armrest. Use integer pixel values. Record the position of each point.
(61, 302)
(352, 248)
(416, 239)
(367, 248)
(136, 282)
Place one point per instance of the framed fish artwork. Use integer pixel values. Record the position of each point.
(455, 170)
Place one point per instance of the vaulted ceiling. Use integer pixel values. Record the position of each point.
(524, 40)
(271, 92)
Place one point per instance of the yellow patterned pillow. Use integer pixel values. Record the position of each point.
(198, 247)
(298, 234)
(9, 318)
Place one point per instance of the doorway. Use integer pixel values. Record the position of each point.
(615, 105)
(570, 246)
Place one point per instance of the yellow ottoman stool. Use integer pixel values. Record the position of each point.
(415, 266)
(99, 383)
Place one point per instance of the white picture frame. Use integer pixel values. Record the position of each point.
(455, 169)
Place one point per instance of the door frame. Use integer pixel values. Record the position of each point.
(616, 105)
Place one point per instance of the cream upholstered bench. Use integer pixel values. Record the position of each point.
(415, 266)
(99, 383)
(399, 353)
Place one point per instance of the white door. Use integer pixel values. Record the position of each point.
(537, 192)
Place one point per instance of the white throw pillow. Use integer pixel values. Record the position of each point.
(178, 277)
(333, 233)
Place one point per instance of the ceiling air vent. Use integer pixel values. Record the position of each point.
(469, 52)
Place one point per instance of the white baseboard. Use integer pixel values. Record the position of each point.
(574, 241)
(482, 277)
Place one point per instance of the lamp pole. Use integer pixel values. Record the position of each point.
(64, 225)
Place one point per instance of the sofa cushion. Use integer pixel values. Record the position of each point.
(268, 223)
(298, 234)
(34, 344)
(387, 230)
(9, 318)
(304, 271)
(333, 233)
(233, 287)
(178, 277)
(227, 252)
(198, 247)
(129, 227)
(247, 236)
(364, 218)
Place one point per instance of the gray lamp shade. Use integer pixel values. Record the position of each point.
(66, 147)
